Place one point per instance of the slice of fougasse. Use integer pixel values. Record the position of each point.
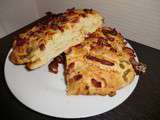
(43, 42)
(100, 65)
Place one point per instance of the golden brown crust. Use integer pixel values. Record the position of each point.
(29, 47)
(99, 65)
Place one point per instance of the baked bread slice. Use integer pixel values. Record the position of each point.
(45, 41)
(100, 65)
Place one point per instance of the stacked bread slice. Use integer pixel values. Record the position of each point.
(99, 65)
(43, 42)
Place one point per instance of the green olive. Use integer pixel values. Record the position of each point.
(125, 74)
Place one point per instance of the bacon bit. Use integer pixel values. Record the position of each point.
(103, 42)
(139, 68)
(41, 28)
(46, 33)
(133, 61)
(83, 15)
(77, 77)
(49, 33)
(88, 10)
(93, 47)
(60, 18)
(101, 38)
(71, 66)
(68, 51)
(70, 81)
(21, 41)
(102, 61)
(87, 87)
(57, 27)
(75, 20)
(100, 43)
(109, 38)
(112, 49)
(61, 28)
(29, 50)
(30, 33)
(112, 93)
(129, 51)
(96, 83)
(71, 11)
(54, 27)
(64, 19)
(59, 59)
(41, 47)
(49, 18)
(112, 32)
(53, 67)
(79, 46)
(90, 35)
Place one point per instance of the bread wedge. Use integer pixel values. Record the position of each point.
(100, 65)
(43, 42)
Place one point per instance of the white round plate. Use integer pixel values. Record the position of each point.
(44, 92)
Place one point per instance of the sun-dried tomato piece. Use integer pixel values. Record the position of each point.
(139, 68)
(41, 47)
(78, 46)
(101, 38)
(59, 59)
(96, 83)
(90, 35)
(70, 81)
(53, 67)
(87, 87)
(77, 77)
(103, 42)
(29, 50)
(102, 61)
(83, 15)
(109, 38)
(111, 31)
(113, 50)
(71, 65)
(129, 51)
(75, 20)
(61, 28)
(54, 27)
(21, 41)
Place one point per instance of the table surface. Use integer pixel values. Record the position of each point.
(143, 103)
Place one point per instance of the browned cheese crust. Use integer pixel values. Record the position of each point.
(100, 65)
(47, 40)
